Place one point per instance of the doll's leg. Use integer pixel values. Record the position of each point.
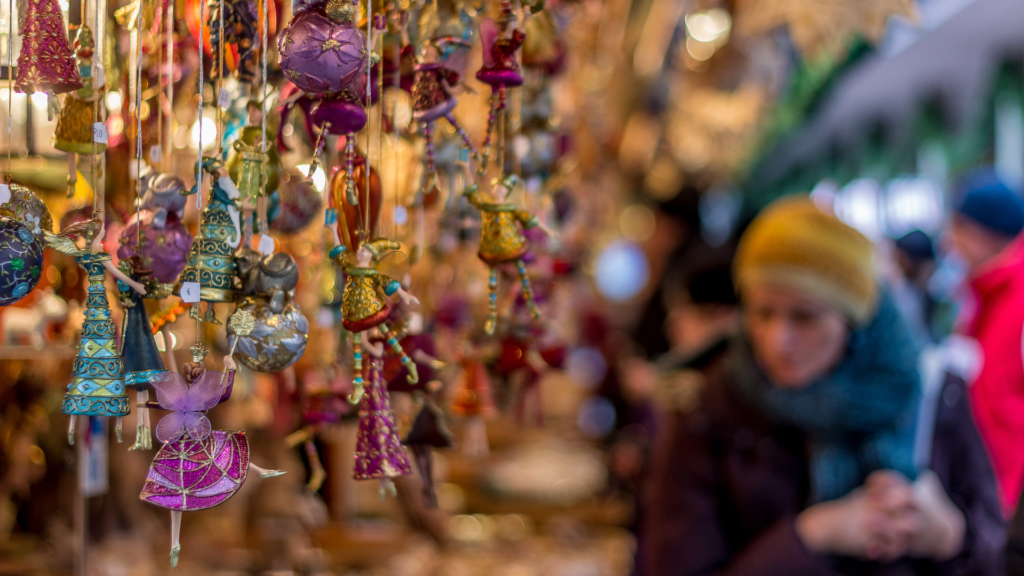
(425, 462)
(317, 473)
(357, 368)
(72, 174)
(175, 533)
(211, 316)
(264, 473)
(466, 141)
(387, 486)
(147, 429)
(524, 278)
(413, 376)
(492, 303)
(117, 429)
(71, 430)
(140, 419)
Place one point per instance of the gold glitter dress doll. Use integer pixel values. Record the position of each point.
(74, 126)
(370, 280)
(501, 239)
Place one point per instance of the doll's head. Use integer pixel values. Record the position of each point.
(502, 188)
(196, 367)
(363, 256)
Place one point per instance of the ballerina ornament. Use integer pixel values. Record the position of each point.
(197, 467)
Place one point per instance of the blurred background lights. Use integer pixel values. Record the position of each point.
(706, 32)
(913, 203)
(113, 100)
(596, 417)
(621, 271)
(586, 366)
(401, 215)
(319, 177)
(209, 133)
(859, 205)
(39, 99)
(637, 222)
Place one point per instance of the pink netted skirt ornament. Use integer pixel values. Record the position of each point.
(192, 475)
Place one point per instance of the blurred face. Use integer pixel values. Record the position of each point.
(796, 339)
(974, 243)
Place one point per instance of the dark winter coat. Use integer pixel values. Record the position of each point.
(726, 485)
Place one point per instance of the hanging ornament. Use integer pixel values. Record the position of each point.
(139, 354)
(279, 337)
(379, 451)
(256, 173)
(74, 132)
(300, 203)
(321, 405)
(46, 63)
(543, 47)
(348, 193)
(370, 282)
(432, 97)
(211, 259)
(26, 208)
(97, 387)
(502, 241)
(428, 432)
(165, 240)
(21, 260)
(324, 54)
(240, 31)
(197, 467)
(473, 401)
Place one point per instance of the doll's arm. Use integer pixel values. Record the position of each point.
(124, 277)
(406, 297)
(375, 348)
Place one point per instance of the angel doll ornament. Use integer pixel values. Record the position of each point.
(139, 354)
(197, 467)
(502, 241)
(365, 303)
(97, 387)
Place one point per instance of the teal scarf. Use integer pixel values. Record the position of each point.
(860, 417)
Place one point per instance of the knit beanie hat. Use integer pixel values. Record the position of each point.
(988, 201)
(792, 243)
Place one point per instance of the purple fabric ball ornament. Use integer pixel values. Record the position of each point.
(164, 250)
(339, 116)
(322, 52)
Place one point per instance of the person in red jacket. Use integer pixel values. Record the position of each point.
(985, 232)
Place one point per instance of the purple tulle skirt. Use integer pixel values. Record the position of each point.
(188, 475)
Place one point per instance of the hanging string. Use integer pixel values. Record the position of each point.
(220, 78)
(199, 169)
(157, 25)
(165, 155)
(263, 117)
(380, 115)
(366, 163)
(138, 131)
(97, 190)
(10, 80)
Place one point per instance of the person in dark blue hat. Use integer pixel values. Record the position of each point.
(985, 228)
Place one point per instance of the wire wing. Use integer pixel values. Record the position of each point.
(393, 265)
(171, 390)
(488, 36)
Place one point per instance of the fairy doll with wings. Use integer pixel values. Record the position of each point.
(372, 271)
(97, 387)
(197, 467)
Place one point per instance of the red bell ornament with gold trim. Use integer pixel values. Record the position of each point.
(46, 62)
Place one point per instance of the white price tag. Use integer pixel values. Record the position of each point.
(5, 193)
(99, 133)
(228, 186)
(190, 292)
(133, 170)
(223, 98)
(266, 244)
(154, 153)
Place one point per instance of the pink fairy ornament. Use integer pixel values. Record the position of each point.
(197, 467)
(500, 42)
(379, 450)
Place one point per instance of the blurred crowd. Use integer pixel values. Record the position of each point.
(802, 400)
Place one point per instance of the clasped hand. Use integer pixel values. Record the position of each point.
(886, 519)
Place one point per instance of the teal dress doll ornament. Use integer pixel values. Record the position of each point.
(97, 386)
(211, 261)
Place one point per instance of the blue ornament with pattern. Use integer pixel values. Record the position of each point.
(21, 261)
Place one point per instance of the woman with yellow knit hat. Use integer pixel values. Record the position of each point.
(802, 454)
